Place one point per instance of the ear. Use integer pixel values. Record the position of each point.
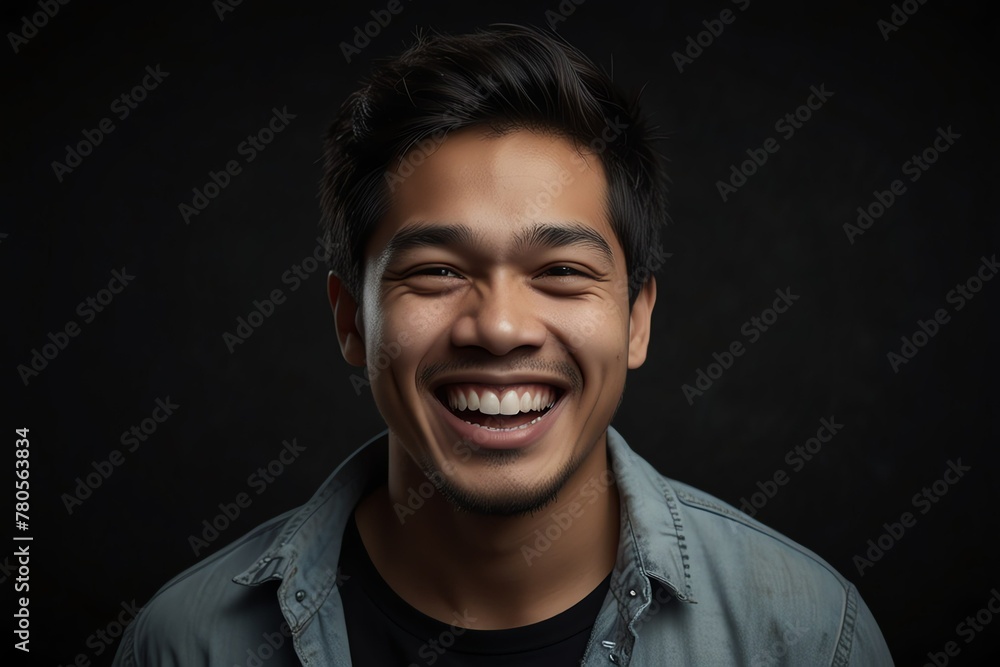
(639, 324)
(347, 320)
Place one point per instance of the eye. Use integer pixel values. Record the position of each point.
(567, 280)
(436, 272)
(564, 272)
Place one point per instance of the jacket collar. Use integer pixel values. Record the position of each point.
(651, 520)
(304, 555)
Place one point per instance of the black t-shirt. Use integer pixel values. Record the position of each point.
(385, 631)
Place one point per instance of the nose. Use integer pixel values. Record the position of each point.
(500, 317)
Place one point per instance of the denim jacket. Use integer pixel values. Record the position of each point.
(696, 582)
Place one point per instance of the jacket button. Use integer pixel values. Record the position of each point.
(300, 596)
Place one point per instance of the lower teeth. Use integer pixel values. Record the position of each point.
(512, 428)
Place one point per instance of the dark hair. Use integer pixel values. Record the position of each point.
(505, 77)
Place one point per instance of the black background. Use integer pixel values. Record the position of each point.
(826, 357)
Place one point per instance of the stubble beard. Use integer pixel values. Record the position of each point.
(513, 501)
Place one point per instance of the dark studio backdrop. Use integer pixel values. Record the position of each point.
(760, 203)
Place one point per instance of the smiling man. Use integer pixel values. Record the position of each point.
(493, 207)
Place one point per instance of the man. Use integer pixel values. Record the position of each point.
(493, 206)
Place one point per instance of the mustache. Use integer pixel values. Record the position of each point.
(562, 369)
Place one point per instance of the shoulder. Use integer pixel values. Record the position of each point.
(779, 589)
(717, 542)
(757, 596)
(727, 534)
(708, 532)
(234, 607)
(202, 616)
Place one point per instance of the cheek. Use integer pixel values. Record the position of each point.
(402, 333)
(594, 333)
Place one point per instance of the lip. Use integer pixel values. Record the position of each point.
(488, 439)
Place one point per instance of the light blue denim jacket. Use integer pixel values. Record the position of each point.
(696, 582)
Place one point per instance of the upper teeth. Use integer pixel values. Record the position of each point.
(488, 402)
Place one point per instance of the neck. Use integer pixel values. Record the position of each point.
(501, 571)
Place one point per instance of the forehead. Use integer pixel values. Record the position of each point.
(500, 186)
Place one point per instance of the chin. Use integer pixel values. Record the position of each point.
(499, 495)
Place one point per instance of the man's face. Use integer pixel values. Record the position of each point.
(495, 317)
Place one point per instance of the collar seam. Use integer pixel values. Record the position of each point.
(639, 466)
(754, 525)
(671, 499)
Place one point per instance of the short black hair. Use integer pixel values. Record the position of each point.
(505, 77)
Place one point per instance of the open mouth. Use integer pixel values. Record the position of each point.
(499, 408)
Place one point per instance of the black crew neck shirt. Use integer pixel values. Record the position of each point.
(385, 631)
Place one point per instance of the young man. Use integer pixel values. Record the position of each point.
(493, 206)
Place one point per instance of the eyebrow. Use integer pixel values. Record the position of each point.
(540, 235)
(424, 235)
(548, 235)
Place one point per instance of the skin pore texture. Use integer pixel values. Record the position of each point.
(495, 273)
